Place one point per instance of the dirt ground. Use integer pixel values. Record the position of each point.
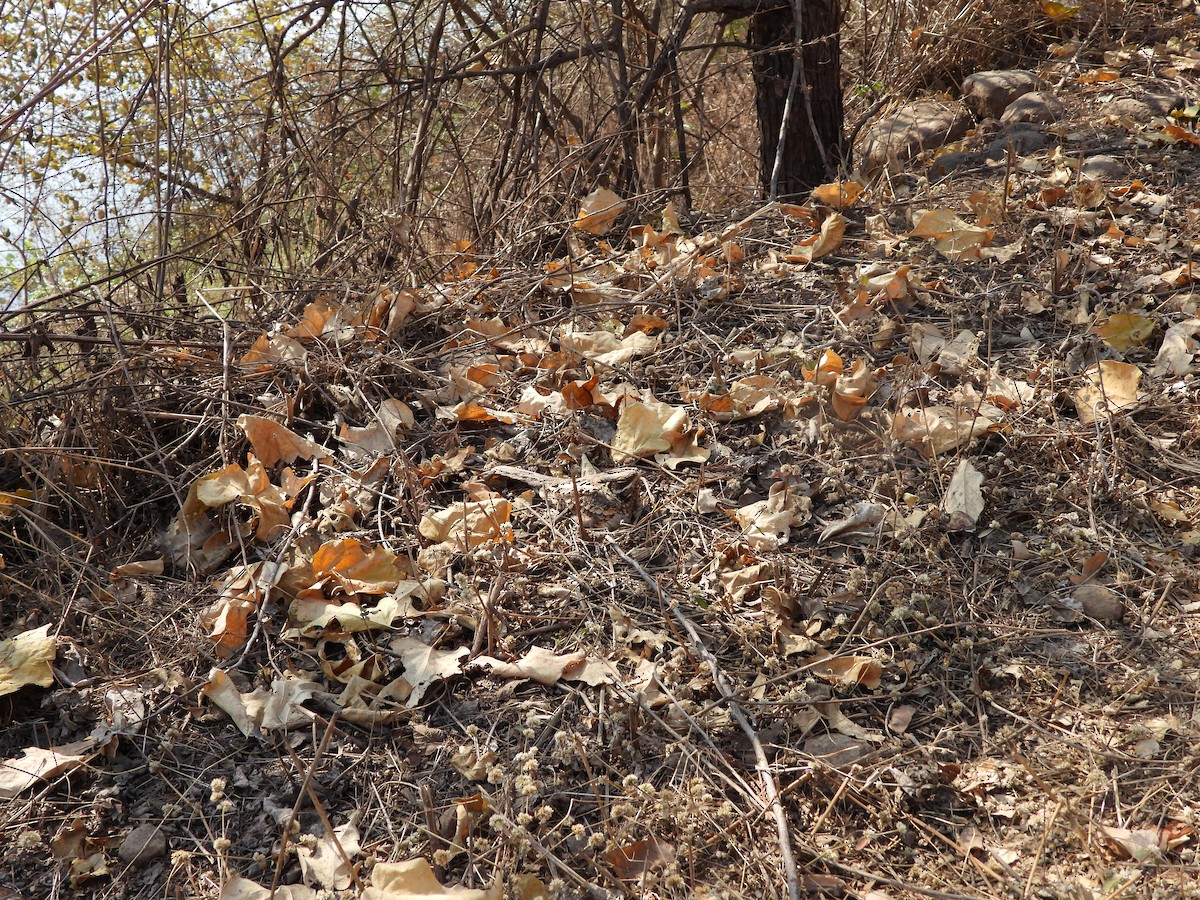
(681, 568)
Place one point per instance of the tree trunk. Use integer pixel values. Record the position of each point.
(812, 143)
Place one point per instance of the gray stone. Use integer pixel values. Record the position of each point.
(1103, 166)
(143, 844)
(948, 163)
(989, 93)
(911, 130)
(1039, 107)
(1145, 106)
(1027, 139)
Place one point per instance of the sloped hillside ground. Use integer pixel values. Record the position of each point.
(844, 549)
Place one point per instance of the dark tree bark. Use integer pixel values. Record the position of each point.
(812, 143)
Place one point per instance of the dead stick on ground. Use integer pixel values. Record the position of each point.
(735, 711)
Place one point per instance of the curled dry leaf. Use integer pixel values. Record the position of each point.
(824, 242)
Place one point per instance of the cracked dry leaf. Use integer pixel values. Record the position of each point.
(414, 880)
(1110, 388)
(26, 659)
(599, 211)
(425, 666)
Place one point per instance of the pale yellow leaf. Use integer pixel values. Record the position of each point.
(26, 659)
(599, 211)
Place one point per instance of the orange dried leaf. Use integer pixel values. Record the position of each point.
(272, 442)
(821, 244)
(837, 194)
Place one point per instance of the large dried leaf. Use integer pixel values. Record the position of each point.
(953, 238)
(599, 211)
(824, 242)
(326, 863)
(26, 658)
(1125, 330)
(546, 667)
(469, 524)
(1109, 389)
(767, 524)
(358, 568)
(963, 503)
(938, 429)
(36, 764)
(272, 442)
